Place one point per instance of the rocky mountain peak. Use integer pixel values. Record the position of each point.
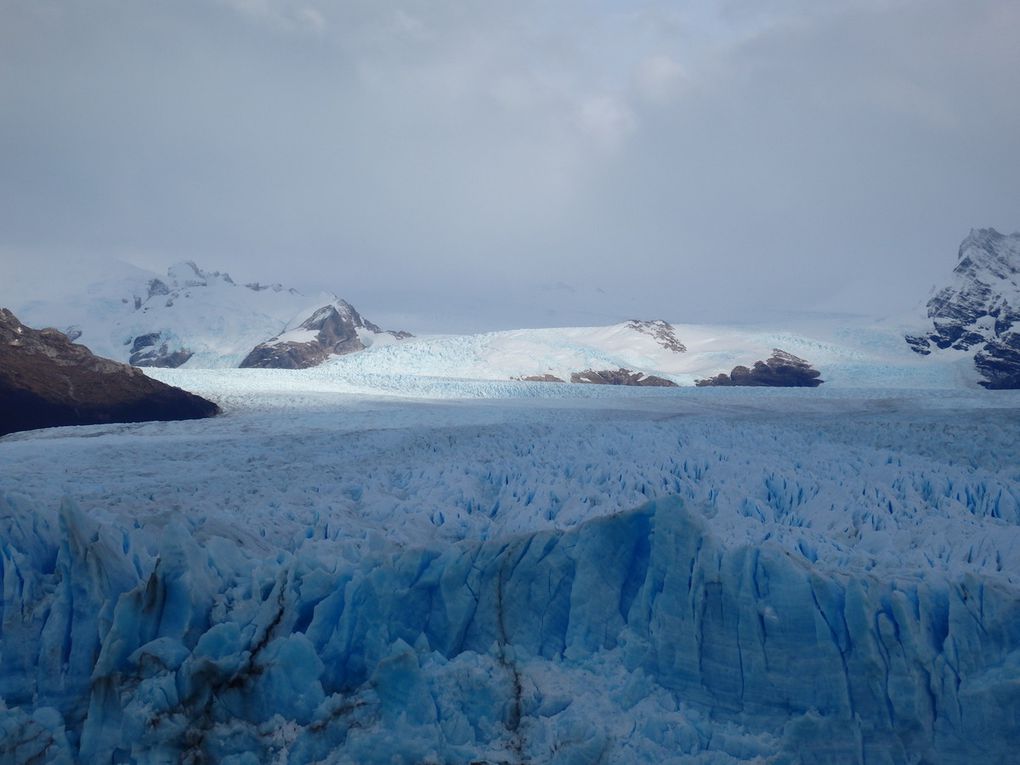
(979, 309)
(662, 331)
(188, 274)
(334, 329)
(987, 249)
(332, 316)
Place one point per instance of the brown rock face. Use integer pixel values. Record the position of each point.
(48, 381)
(336, 333)
(782, 370)
(620, 377)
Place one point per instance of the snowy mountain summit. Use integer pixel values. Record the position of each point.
(190, 316)
(334, 329)
(980, 308)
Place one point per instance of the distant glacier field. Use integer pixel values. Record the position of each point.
(396, 569)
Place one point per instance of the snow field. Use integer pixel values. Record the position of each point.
(854, 356)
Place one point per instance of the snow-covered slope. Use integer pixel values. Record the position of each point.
(203, 319)
(977, 314)
(613, 575)
(861, 355)
(187, 316)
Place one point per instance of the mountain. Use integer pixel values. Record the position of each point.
(334, 329)
(978, 311)
(48, 381)
(187, 316)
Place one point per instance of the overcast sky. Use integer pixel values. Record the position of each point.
(473, 165)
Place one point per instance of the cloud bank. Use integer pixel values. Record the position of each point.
(463, 166)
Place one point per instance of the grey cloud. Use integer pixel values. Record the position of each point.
(441, 162)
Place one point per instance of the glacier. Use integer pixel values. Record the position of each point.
(325, 576)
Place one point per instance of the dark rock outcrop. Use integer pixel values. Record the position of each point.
(781, 370)
(541, 378)
(999, 362)
(48, 381)
(258, 287)
(662, 331)
(979, 310)
(330, 330)
(620, 377)
(155, 350)
(158, 287)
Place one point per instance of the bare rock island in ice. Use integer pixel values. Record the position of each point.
(979, 310)
(620, 377)
(46, 381)
(780, 370)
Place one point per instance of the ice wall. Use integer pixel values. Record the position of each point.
(638, 637)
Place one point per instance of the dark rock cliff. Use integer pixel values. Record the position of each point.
(48, 381)
(620, 377)
(781, 370)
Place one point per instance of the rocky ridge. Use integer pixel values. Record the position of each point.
(781, 370)
(335, 329)
(620, 377)
(662, 331)
(979, 310)
(540, 378)
(47, 381)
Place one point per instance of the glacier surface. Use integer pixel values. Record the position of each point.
(516, 574)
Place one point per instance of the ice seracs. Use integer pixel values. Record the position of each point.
(710, 576)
